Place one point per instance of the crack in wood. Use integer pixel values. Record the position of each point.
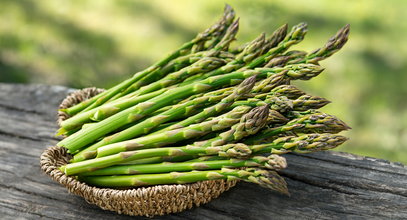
(19, 210)
(39, 139)
(35, 194)
(12, 108)
(316, 184)
(353, 165)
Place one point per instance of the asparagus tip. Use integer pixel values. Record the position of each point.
(246, 85)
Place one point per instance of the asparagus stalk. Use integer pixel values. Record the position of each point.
(267, 179)
(105, 110)
(173, 66)
(249, 124)
(227, 18)
(306, 143)
(273, 161)
(206, 158)
(307, 102)
(213, 33)
(278, 103)
(262, 86)
(172, 78)
(245, 87)
(334, 44)
(207, 63)
(289, 91)
(154, 160)
(275, 38)
(294, 56)
(220, 29)
(315, 122)
(295, 36)
(251, 51)
(164, 138)
(182, 109)
(275, 117)
(203, 65)
(283, 104)
(229, 150)
(92, 133)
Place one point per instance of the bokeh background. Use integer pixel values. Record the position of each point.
(81, 43)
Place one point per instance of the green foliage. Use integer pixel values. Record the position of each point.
(100, 43)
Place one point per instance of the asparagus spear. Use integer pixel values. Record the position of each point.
(263, 86)
(306, 143)
(294, 56)
(314, 122)
(289, 91)
(172, 78)
(307, 102)
(207, 63)
(186, 108)
(334, 44)
(229, 150)
(164, 138)
(106, 110)
(92, 133)
(249, 123)
(295, 36)
(245, 87)
(283, 104)
(153, 160)
(275, 117)
(251, 51)
(267, 179)
(278, 103)
(273, 161)
(220, 29)
(275, 38)
(203, 65)
(227, 18)
(173, 66)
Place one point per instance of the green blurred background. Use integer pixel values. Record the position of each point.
(100, 42)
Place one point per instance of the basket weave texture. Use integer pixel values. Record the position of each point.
(142, 201)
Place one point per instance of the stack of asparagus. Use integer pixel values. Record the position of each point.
(206, 111)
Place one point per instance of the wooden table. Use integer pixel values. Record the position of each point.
(328, 185)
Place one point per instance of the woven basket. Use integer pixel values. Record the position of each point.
(142, 201)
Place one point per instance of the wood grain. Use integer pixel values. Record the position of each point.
(327, 185)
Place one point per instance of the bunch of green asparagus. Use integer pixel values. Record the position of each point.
(207, 111)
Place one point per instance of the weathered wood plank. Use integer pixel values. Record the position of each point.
(327, 185)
